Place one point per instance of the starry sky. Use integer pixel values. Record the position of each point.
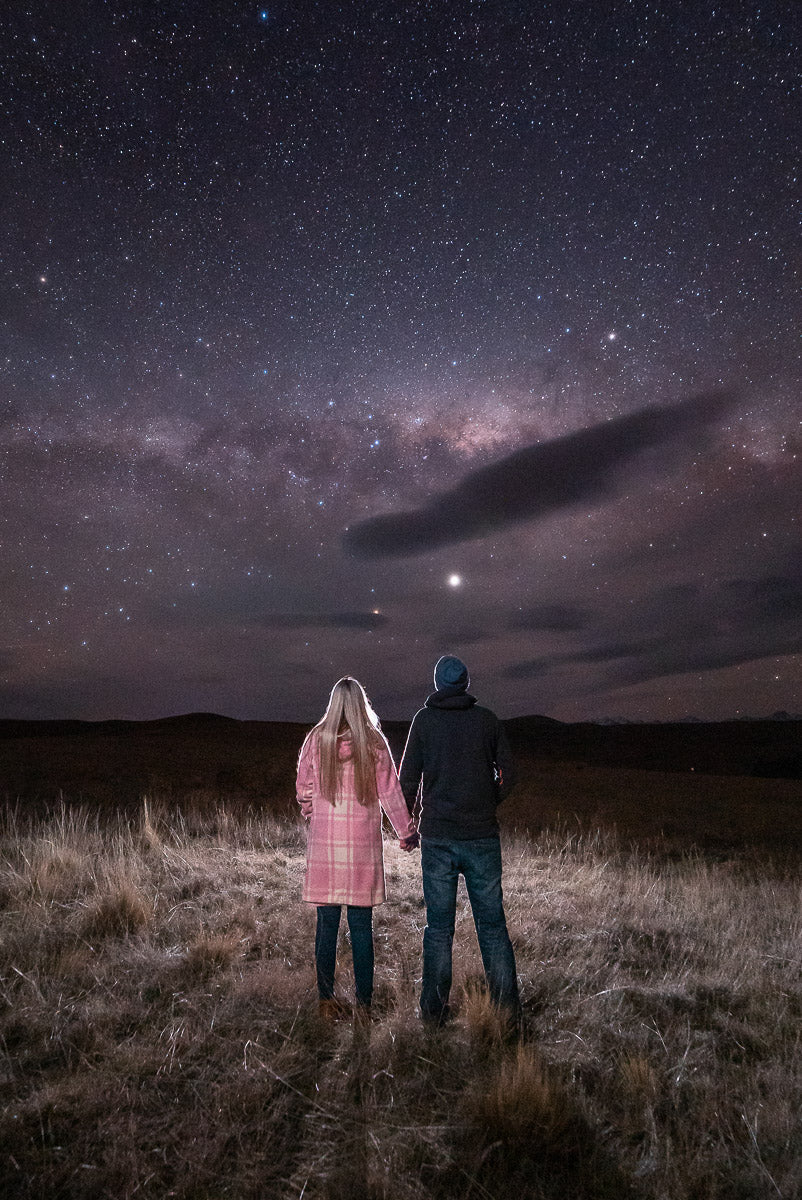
(341, 335)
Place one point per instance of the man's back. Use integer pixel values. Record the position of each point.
(459, 752)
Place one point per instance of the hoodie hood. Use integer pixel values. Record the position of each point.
(453, 698)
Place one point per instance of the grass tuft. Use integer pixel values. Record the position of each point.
(524, 1104)
(213, 952)
(60, 873)
(117, 912)
(487, 1025)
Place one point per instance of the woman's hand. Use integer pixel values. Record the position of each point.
(410, 843)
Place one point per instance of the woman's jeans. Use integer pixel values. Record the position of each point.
(479, 860)
(360, 927)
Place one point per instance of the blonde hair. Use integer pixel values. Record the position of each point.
(349, 710)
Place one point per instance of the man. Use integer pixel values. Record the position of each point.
(458, 756)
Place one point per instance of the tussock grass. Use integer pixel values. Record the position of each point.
(523, 1105)
(120, 910)
(159, 1031)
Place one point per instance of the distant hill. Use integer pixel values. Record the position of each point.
(199, 756)
(187, 722)
(766, 749)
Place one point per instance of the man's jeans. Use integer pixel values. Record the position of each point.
(479, 861)
(360, 927)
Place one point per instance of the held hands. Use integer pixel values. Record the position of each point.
(410, 843)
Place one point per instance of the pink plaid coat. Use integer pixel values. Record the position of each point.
(344, 860)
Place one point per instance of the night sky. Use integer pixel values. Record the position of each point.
(338, 336)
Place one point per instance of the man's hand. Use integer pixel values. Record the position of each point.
(410, 843)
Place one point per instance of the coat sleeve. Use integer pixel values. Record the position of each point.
(391, 797)
(412, 765)
(305, 779)
(505, 764)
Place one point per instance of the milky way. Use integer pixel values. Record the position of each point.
(340, 336)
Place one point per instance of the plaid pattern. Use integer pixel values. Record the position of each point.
(344, 860)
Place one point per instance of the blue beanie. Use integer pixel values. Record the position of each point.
(450, 672)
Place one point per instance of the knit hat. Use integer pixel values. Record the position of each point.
(451, 672)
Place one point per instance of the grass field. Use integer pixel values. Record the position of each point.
(159, 1032)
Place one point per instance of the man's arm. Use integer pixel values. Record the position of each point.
(505, 764)
(411, 767)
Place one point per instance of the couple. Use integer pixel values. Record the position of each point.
(458, 757)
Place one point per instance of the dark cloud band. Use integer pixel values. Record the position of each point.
(535, 481)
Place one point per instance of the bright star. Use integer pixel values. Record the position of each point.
(455, 580)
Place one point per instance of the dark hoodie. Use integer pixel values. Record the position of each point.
(460, 752)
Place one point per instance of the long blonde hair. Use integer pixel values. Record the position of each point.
(349, 710)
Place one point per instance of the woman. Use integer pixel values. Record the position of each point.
(345, 777)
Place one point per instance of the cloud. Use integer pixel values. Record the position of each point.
(772, 598)
(242, 606)
(535, 481)
(682, 628)
(616, 650)
(603, 653)
(336, 620)
(551, 618)
(738, 621)
(531, 668)
(710, 656)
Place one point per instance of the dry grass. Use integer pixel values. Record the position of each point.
(523, 1105)
(159, 1033)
